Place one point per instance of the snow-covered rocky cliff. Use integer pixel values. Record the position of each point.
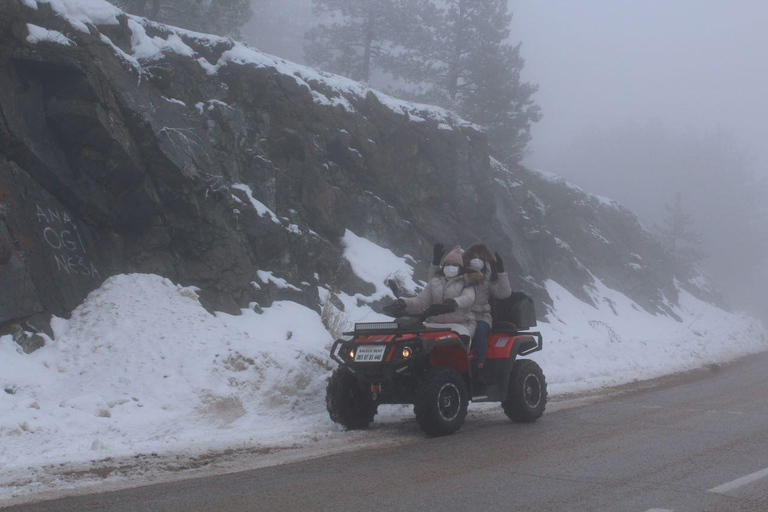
(128, 146)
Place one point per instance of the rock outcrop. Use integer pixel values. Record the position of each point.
(128, 146)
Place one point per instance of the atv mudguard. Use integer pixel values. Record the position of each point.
(503, 350)
(446, 350)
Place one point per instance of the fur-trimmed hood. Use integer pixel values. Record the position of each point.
(478, 251)
(473, 277)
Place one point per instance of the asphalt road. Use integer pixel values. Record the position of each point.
(697, 444)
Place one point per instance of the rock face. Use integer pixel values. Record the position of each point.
(127, 146)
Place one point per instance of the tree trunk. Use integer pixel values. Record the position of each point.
(454, 67)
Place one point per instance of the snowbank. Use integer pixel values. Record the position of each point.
(587, 348)
(141, 367)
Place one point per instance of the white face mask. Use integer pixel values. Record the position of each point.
(450, 271)
(477, 263)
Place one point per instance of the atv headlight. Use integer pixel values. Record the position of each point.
(406, 352)
(351, 353)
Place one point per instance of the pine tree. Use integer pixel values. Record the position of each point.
(678, 233)
(451, 53)
(458, 58)
(353, 45)
(437, 55)
(497, 99)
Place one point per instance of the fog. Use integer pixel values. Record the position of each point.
(641, 100)
(689, 63)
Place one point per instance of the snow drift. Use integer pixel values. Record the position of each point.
(142, 367)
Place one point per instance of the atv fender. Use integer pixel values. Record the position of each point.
(447, 352)
(524, 344)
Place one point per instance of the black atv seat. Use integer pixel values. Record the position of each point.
(504, 326)
(516, 312)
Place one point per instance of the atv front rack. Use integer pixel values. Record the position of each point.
(394, 341)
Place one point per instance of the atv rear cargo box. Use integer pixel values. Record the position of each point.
(517, 310)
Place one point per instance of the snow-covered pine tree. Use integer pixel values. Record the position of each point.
(352, 36)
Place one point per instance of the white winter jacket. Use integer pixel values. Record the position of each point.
(498, 289)
(438, 290)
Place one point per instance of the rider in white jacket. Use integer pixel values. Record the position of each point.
(449, 282)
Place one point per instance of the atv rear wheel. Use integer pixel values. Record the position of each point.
(527, 395)
(441, 402)
(347, 404)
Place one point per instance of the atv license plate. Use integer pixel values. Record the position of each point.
(370, 353)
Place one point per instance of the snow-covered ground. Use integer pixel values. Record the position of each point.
(142, 368)
(588, 348)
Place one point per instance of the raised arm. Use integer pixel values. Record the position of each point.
(420, 302)
(438, 251)
(500, 288)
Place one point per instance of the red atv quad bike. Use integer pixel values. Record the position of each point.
(407, 362)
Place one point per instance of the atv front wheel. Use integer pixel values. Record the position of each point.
(347, 404)
(441, 402)
(527, 395)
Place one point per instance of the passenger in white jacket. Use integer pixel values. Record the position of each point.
(449, 282)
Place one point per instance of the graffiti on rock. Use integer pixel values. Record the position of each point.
(62, 235)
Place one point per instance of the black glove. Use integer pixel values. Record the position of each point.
(499, 265)
(451, 302)
(437, 254)
(392, 284)
(395, 309)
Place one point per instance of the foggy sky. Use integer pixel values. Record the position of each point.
(686, 66)
(688, 63)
